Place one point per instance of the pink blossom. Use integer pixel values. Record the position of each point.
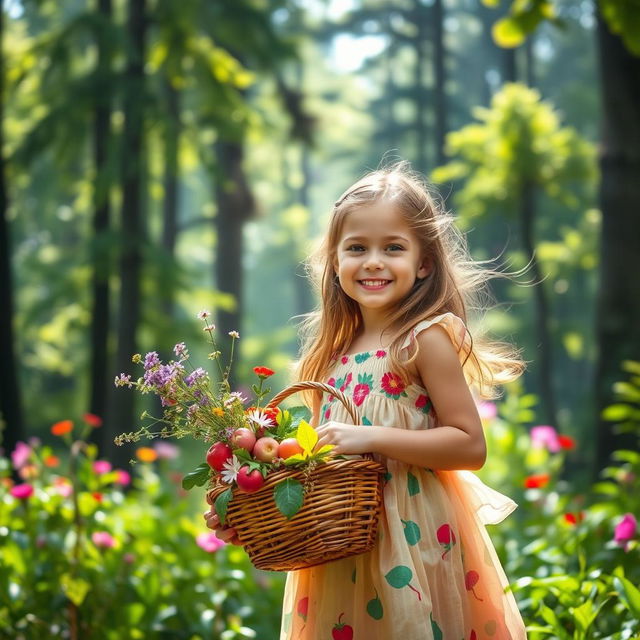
(20, 455)
(166, 450)
(129, 558)
(103, 540)
(22, 491)
(487, 410)
(63, 487)
(123, 477)
(101, 466)
(209, 542)
(625, 530)
(545, 437)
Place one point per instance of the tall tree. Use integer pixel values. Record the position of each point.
(121, 415)
(11, 426)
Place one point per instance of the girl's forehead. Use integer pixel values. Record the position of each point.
(377, 219)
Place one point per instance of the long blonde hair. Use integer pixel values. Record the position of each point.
(456, 284)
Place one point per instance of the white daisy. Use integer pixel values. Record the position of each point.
(234, 396)
(204, 314)
(259, 418)
(234, 334)
(230, 470)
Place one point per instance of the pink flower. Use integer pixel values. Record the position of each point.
(360, 392)
(22, 491)
(392, 385)
(381, 353)
(122, 477)
(545, 437)
(487, 410)
(166, 450)
(101, 466)
(63, 487)
(209, 542)
(625, 530)
(103, 540)
(20, 455)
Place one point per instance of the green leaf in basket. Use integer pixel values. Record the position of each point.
(197, 477)
(298, 414)
(222, 503)
(289, 496)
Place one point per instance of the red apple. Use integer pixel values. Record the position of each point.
(265, 449)
(288, 447)
(218, 454)
(249, 481)
(243, 438)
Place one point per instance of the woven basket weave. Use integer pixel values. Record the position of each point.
(339, 517)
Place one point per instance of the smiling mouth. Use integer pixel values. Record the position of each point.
(374, 284)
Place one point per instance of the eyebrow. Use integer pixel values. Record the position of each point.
(385, 239)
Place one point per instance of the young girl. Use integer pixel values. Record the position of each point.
(396, 283)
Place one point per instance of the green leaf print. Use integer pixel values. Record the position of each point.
(411, 531)
(412, 484)
(353, 576)
(286, 621)
(387, 476)
(366, 421)
(435, 629)
(374, 608)
(399, 576)
(361, 357)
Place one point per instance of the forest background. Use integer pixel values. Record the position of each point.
(161, 157)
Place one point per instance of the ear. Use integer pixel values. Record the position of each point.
(424, 268)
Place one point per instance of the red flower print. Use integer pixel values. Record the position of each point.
(360, 392)
(537, 481)
(566, 442)
(381, 353)
(423, 403)
(392, 385)
(327, 414)
(346, 383)
(344, 359)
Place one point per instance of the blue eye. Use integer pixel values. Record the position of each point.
(395, 247)
(355, 247)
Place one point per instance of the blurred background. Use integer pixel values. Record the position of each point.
(162, 157)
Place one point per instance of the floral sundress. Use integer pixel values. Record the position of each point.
(433, 573)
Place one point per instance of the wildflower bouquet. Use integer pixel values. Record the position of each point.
(246, 443)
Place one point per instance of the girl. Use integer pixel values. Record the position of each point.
(396, 283)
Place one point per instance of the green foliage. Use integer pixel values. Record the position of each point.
(84, 553)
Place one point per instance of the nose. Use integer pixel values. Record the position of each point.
(373, 261)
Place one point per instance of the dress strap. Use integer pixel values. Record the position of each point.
(455, 328)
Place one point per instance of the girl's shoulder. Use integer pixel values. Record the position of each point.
(455, 328)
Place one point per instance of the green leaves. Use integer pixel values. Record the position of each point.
(289, 497)
(222, 504)
(196, 478)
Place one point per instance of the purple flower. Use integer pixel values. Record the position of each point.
(625, 530)
(195, 375)
(20, 455)
(103, 540)
(181, 350)
(163, 375)
(545, 437)
(166, 450)
(101, 466)
(209, 542)
(123, 380)
(22, 491)
(151, 360)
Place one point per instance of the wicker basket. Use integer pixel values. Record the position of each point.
(339, 517)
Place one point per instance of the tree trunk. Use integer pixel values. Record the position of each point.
(11, 425)
(541, 309)
(235, 207)
(618, 304)
(122, 417)
(439, 73)
(101, 305)
(171, 169)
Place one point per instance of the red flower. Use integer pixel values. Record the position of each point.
(97, 496)
(51, 461)
(537, 481)
(263, 372)
(392, 385)
(92, 420)
(62, 427)
(574, 518)
(567, 442)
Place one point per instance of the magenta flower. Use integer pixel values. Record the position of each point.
(166, 450)
(545, 437)
(20, 455)
(209, 542)
(487, 410)
(122, 477)
(101, 466)
(22, 491)
(625, 530)
(103, 540)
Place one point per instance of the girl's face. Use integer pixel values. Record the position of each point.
(378, 258)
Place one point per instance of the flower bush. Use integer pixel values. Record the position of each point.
(88, 551)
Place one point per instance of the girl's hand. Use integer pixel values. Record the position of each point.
(226, 534)
(346, 438)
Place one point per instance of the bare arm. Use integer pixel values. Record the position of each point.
(458, 444)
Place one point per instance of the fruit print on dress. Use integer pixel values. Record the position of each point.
(446, 538)
(392, 385)
(413, 486)
(412, 532)
(374, 607)
(400, 577)
(470, 580)
(303, 608)
(341, 630)
(363, 388)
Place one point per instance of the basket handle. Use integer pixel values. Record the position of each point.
(349, 405)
